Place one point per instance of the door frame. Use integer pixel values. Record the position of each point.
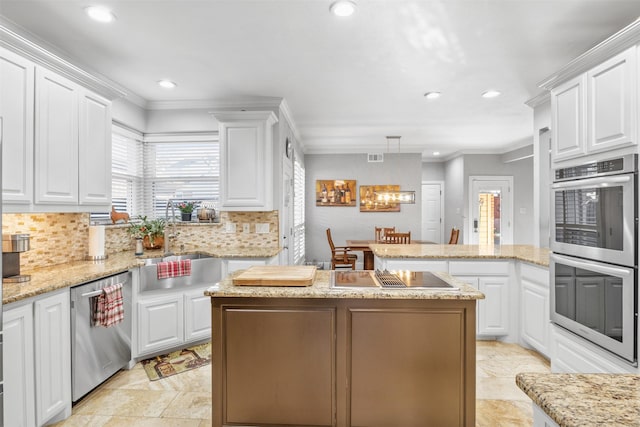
(286, 254)
(509, 214)
(441, 183)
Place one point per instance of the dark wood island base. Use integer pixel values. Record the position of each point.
(343, 361)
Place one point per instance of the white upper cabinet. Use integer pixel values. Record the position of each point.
(568, 118)
(94, 150)
(56, 139)
(16, 110)
(612, 117)
(246, 160)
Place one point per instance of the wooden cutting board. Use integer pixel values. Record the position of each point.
(276, 275)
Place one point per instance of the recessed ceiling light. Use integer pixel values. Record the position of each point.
(167, 84)
(432, 95)
(491, 94)
(436, 153)
(100, 14)
(343, 8)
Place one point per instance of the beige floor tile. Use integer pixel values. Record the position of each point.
(142, 403)
(500, 389)
(79, 420)
(499, 367)
(205, 423)
(152, 422)
(503, 413)
(189, 404)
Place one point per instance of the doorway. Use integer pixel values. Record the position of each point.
(432, 208)
(491, 206)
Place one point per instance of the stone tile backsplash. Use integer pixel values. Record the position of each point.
(57, 238)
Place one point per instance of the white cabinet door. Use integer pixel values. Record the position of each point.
(612, 117)
(56, 139)
(94, 150)
(18, 367)
(16, 110)
(52, 356)
(246, 160)
(160, 323)
(568, 119)
(535, 316)
(493, 311)
(197, 315)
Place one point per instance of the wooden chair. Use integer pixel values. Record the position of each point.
(340, 256)
(382, 231)
(453, 240)
(398, 238)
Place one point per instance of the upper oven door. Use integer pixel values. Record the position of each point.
(595, 218)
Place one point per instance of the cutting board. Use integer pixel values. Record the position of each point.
(276, 275)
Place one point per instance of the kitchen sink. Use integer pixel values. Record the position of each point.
(205, 270)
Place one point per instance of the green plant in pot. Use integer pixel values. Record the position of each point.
(151, 231)
(186, 209)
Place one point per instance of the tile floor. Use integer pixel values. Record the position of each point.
(184, 400)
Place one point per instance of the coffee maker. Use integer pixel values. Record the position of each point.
(12, 246)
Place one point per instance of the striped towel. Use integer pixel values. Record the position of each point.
(109, 307)
(169, 269)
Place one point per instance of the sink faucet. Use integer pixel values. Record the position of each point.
(173, 235)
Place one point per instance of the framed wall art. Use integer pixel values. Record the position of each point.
(336, 192)
(370, 203)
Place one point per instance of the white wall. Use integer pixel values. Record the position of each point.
(349, 222)
(129, 114)
(454, 196)
(433, 171)
(541, 173)
(192, 120)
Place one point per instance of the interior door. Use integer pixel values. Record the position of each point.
(491, 207)
(432, 225)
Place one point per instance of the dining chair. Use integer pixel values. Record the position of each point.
(402, 238)
(339, 255)
(453, 240)
(382, 231)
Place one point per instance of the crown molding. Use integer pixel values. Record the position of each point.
(623, 39)
(20, 41)
(539, 99)
(216, 105)
(196, 136)
(288, 116)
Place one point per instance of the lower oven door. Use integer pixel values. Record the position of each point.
(595, 301)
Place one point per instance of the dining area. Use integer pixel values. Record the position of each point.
(347, 256)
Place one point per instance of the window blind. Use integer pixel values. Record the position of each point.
(298, 212)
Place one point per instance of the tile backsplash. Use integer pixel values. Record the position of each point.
(57, 238)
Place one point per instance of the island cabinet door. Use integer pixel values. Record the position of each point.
(279, 366)
(410, 367)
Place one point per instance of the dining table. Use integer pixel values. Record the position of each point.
(365, 248)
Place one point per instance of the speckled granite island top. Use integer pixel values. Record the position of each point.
(585, 399)
(322, 288)
(527, 253)
(60, 276)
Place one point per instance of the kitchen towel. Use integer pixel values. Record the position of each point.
(96, 241)
(109, 306)
(167, 269)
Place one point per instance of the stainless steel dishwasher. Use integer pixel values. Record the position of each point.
(97, 352)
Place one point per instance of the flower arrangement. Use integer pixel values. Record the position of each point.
(150, 230)
(186, 207)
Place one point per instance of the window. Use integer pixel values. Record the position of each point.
(298, 212)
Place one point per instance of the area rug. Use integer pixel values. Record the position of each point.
(177, 362)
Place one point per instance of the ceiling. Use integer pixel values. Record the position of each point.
(349, 82)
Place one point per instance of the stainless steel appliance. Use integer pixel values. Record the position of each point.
(389, 279)
(594, 208)
(97, 352)
(596, 301)
(12, 246)
(593, 267)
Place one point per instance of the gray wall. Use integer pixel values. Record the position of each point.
(454, 197)
(348, 222)
(433, 171)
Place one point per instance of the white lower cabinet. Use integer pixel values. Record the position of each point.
(172, 319)
(541, 419)
(534, 307)
(38, 368)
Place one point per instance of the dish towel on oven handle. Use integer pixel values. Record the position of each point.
(168, 269)
(109, 306)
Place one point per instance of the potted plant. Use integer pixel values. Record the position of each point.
(186, 209)
(151, 231)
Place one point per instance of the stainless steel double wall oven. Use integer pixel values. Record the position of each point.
(593, 267)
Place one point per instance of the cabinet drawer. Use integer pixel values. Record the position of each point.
(479, 268)
(535, 274)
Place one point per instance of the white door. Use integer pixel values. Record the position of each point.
(432, 225)
(286, 213)
(491, 207)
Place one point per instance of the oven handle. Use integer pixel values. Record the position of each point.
(591, 266)
(593, 182)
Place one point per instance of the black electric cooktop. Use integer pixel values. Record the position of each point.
(389, 279)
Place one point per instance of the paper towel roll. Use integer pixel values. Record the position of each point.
(96, 241)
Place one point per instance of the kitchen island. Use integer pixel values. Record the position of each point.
(327, 356)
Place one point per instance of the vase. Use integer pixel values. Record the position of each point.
(186, 216)
(157, 243)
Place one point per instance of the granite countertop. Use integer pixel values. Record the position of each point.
(321, 288)
(60, 276)
(585, 399)
(527, 253)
